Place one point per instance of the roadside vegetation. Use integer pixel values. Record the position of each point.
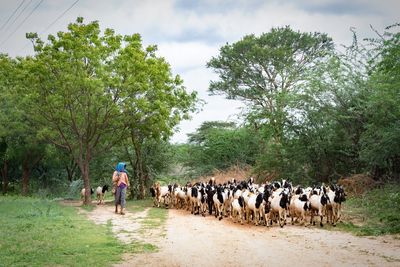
(376, 212)
(40, 232)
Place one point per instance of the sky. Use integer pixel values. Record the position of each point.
(189, 33)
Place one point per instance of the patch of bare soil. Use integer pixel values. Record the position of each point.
(127, 228)
(197, 241)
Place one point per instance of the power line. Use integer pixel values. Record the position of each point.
(19, 25)
(54, 22)
(12, 15)
(59, 17)
(19, 14)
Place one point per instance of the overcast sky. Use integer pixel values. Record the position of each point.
(189, 32)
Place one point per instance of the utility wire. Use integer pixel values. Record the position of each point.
(12, 15)
(19, 15)
(59, 17)
(19, 25)
(54, 22)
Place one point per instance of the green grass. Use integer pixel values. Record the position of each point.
(38, 232)
(138, 247)
(377, 212)
(139, 205)
(89, 207)
(156, 217)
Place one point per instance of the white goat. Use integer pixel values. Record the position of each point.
(318, 205)
(100, 193)
(299, 205)
(238, 209)
(279, 205)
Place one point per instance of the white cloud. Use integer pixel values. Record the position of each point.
(187, 55)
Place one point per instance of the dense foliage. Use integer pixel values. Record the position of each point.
(319, 113)
(218, 146)
(89, 98)
(87, 93)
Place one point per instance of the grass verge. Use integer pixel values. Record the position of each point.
(37, 232)
(138, 205)
(377, 212)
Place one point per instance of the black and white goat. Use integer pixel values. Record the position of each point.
(100, 193)
(83, 191)
(219, 199)
(266, 207)
(198, 199)
(210, 191)
(253, 208)
(237, 209)
(298, 208)
(336, 196)
(279, 205)
(318, 201)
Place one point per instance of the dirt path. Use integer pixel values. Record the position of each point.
(128, 228)
(197, 241)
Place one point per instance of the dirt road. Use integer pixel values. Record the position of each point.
(196, 241)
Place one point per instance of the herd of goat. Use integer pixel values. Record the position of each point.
(259, 203)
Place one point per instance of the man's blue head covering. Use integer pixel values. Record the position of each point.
(120, 167)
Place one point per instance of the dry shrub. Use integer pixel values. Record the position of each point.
(235, 172)
(357, 184)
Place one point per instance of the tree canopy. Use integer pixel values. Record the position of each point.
(87, 90)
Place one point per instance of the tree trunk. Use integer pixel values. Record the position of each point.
(85, 174)
(25, 177)
(84, 168)
(139, 169)
(70, 170)
(86, 182)
(132, 179)
(139, 166)
(4, 174)
(83, 162)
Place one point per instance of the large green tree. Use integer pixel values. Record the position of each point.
(153, 101)
(267, 72)
(7, 78)
(19, 140)
(91, 90)
(71, 95)
(381, 139)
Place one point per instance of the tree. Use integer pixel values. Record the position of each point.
(381, 139)
(267, 72)
(91, 91)
(7, 72)
(153, 101)
(71, 95)
(220, 145)
(19, 136)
